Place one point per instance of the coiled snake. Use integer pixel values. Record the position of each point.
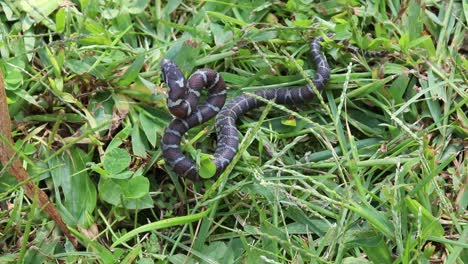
(182, 101)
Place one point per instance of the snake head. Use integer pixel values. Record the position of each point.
(174, 78)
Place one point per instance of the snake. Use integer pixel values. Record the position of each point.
(182, 101)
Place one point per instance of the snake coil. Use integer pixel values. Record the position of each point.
(182, 102)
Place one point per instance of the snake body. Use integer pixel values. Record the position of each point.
(183, 98)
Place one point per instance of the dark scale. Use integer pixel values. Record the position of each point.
(183, 98)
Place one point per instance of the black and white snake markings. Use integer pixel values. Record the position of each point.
(182, 101)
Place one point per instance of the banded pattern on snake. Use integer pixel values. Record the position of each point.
(183, 98)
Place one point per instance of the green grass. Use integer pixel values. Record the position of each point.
(372, 171)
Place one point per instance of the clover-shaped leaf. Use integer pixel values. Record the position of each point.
(116, 161)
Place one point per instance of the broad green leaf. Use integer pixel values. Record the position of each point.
(71, 178)
(303, 224)
(424, 42)
(119, 138)
(183, 55)
(136, 187)
(110, 13)
(8, 12)
(354, 260)
(303, 23)
(262, 35)
(9, 258)
(121, 176)
(60, 20)
(289, 122)
(27, 97)
(398, 88)
(133, 256)
(376, 218)
(13, 76)
(221, 35)
(143, 202)
(207, 167)
(220, 252)
(343, 32)
(372, 242)
(40, 10)
(131, 74)
(138, 146)
(94, 27)
(411, 15)
(430, 225)
(135, 6)
(170, 7)
(68, 97)
(404, 42)
(369, 88)
(94, 40)
(181, 258)
(149, 127)
(226, 18)
(110, 191)
(78, 66)
(150, 87)
(116, 160)
(29, 44)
